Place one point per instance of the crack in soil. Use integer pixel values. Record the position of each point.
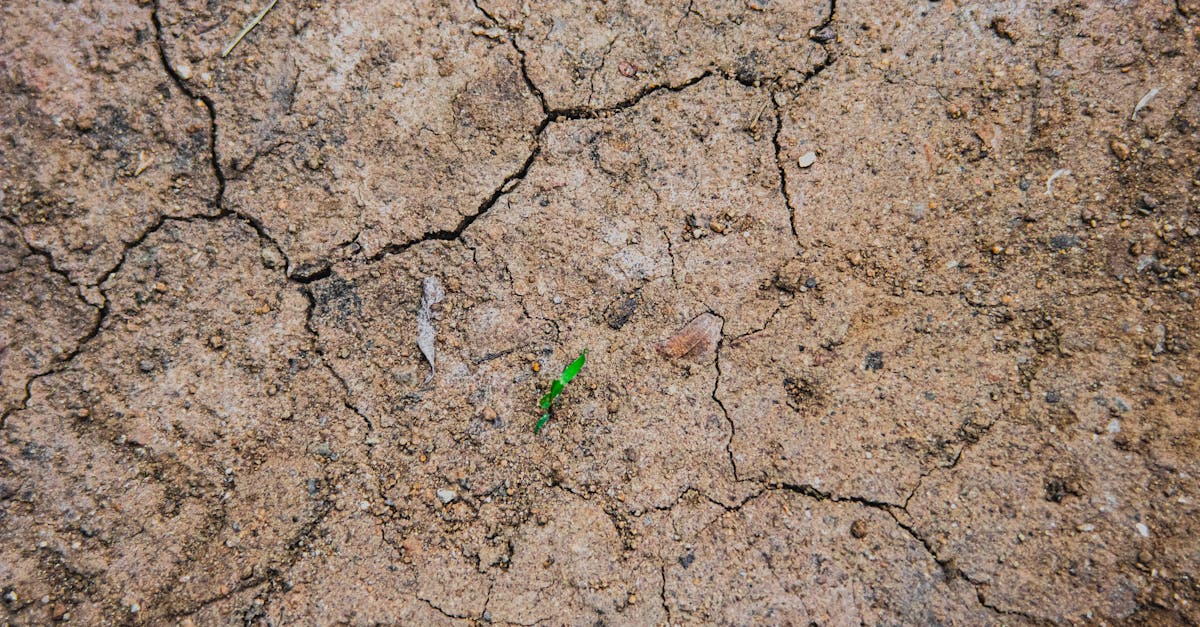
(720, 403)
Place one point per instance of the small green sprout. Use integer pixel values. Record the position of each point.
(556, 388)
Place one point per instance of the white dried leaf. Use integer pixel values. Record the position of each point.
(431, 294)
(1050, 181)
(1143, 102)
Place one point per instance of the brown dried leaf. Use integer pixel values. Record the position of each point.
(696, 339)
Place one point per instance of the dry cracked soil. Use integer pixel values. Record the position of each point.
(890, 310)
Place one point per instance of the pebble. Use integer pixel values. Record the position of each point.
(859, 528)
(1142, 530)
(1148, 205)
(271, 257)
(1119, 149)
(184, 72)
(445, 496)
(807, 159)
(824, 35)
(1085, 528)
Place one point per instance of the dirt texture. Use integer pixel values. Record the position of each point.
(890, 311)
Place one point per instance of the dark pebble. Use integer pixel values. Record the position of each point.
(874, 361)
(1063, 242)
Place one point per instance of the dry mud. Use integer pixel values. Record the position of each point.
(890, 310)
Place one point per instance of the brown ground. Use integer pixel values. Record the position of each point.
(918, 388)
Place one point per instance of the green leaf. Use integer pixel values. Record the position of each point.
(573, 369)
(556, 388)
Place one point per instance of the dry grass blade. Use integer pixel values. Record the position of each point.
(249, 27)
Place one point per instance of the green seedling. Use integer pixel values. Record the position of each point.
(556, 388)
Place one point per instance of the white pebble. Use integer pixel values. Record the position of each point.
(184, 72)
(445, 496)
(1143, 530)
(807, 159)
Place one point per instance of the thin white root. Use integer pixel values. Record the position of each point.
(1050, 181)
(1143, 102)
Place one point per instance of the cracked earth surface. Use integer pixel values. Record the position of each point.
(942, 370)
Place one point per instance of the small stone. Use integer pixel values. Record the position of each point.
(1063, 242)
(1053, 397)
(859, 528)
(58, 612)
(1148, 205)
(716, 227)
(1142, 530)
(823, 35)
(271, 257)
(216, 342)
(145, 365)
(807, 159)
(184, 71)
(1085, 528)
(1119, 149)
(445, 496)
